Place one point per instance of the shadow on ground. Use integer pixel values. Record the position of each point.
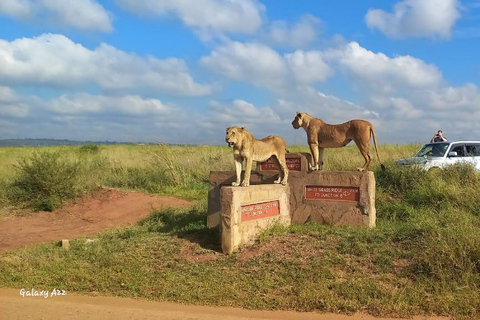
(190, 225)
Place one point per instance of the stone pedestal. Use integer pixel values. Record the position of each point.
(247, 211)
(220, 179)
(334, 198)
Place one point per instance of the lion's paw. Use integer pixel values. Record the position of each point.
(245, 184)
(235, 184)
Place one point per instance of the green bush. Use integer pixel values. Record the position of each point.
(44, 181)
(89, 149)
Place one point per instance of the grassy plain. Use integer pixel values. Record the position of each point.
(422, 258)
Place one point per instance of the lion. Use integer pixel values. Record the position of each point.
(246, 147)
(321, 135)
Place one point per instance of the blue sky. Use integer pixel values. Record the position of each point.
(181, 71)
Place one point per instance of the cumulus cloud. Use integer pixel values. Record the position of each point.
(382, 73)
(7, 94)
(19, 9)
(86, 15)
(404, 109)
(84, 116)
(259, 64)
(252, 62)
(453, 99)
(87, 103)
(308, 67)
(304, 32)
(53, 60)
(242, 113)
(416, 18)
(11, 105)
(243, 16)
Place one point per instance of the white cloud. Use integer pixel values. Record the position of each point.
(242, 113)
(298, 35)
(251, 62)
(261, 65)
(404, 109)
(372, 72)
(382, 73)
(86, 103)
(19, 9)
(90, 117)
(416, 18)
(11, 104)
(308, 67)
(86, 15)
(7, 94)
(454, 99)
(54, 60)
(243, 16)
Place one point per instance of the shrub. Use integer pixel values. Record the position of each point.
(89, 149)
(44, 181)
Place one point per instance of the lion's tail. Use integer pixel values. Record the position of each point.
(372, 132)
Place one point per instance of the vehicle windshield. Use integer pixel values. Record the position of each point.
(433, 150)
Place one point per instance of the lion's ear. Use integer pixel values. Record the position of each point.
(242, 128)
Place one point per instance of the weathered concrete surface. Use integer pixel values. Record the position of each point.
(219, 179)
(246, 211)
(332, 205)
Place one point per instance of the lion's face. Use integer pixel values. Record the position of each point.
(297, 122)
(233, 136)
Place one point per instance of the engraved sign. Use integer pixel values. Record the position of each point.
(294, 164)
(260, 210)
(332, 193)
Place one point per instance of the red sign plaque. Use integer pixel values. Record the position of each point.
(294, 164)
(332, 193)
(260, 210)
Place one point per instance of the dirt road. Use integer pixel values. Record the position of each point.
(71, 306)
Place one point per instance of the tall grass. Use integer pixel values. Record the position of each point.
(29, 173)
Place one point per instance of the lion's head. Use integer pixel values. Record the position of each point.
(298, 121)
(234, 136)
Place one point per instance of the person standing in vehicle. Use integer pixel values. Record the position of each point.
(438, 137)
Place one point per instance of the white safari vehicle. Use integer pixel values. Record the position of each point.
(442, 154)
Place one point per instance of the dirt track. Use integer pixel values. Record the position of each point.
(13, 306)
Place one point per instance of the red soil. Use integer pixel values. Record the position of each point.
(87, 216)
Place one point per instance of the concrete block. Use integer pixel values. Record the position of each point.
(65, 244)
(247, 211)
(219, 179)
(334, 198)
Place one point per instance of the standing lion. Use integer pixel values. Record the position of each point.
(321, 135)
(246, 147)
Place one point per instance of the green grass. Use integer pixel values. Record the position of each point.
(422, 258)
